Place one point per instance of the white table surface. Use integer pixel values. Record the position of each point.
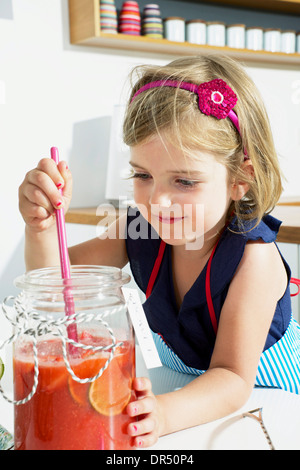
(281, 414)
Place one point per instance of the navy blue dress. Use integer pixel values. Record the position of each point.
(188, 331)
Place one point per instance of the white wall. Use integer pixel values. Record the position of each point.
(56, 94)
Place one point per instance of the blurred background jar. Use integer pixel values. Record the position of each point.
(196, 31)
(298, 42)
(216, 33)
(272, 40)
(174, 28)
(288, 41)
(255, 38)
(236, 36)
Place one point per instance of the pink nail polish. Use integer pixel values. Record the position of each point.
(135, 428)
(59, 203)
(140, 443)
(59, 185)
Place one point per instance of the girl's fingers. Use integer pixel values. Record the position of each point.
(147, 440)
(44, 186)
(67, 177)
(141, 407)
(36, 216)
(48, 166)
(34, 195)
(142, 385)
(33, 210)
(145, 426)
(145, 430)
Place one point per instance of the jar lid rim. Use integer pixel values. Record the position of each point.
(174, 18)
(81, 276)
(195, 21)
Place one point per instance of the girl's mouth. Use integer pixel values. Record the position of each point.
(169, 219)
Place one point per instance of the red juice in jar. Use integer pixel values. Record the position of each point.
(64, 414)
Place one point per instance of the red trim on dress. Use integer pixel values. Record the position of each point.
(156, 267)
(155, 271)
(209, 301)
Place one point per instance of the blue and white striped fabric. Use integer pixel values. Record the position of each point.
(279, 366)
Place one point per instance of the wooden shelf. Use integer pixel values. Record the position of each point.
(85, 31)
(289, 231)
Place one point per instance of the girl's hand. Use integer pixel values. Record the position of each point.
(39, 194)
(148, 427)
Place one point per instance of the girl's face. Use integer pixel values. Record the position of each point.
(185, 200)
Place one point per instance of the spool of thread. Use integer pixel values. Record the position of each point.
(152, 26)
(130, 19)
(108, 17)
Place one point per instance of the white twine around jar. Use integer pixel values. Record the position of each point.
(46, 325)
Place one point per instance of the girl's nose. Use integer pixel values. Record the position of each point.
(160, 198)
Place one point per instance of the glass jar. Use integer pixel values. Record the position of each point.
(255, 38)
(196, 31)
(236, 36)
(174, 28)
(272, 40)
(216, 33)
(298, 42)
(288, 41)
(73, 373)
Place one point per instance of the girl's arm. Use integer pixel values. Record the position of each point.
(258, 284)
(108, 249)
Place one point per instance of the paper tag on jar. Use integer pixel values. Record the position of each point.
(141, 328)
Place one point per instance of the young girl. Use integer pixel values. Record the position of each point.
(205, 175)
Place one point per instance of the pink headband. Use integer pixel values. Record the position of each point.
(215, 98)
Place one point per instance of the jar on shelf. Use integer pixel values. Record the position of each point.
(196, 31)
(236, 36)
(298, 42)
(216, 32)
(288, 41)
(174, 28)
(255, 38)
(72, 373)
(272, 40)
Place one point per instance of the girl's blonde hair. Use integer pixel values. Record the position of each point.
(176, 111)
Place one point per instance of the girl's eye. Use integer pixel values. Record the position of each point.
(187, 183)
(142, 176)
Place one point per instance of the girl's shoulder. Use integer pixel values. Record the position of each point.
(266, 230)
(262, 259)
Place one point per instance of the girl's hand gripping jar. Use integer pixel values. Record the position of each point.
(73, 394)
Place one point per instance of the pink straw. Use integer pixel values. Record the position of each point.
(64, 261)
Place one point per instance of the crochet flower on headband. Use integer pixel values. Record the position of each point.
(216, 98)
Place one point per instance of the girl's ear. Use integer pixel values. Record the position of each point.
(240, 188)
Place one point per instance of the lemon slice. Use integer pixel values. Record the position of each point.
(110, 394)
(1, 368)
(79, 392)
